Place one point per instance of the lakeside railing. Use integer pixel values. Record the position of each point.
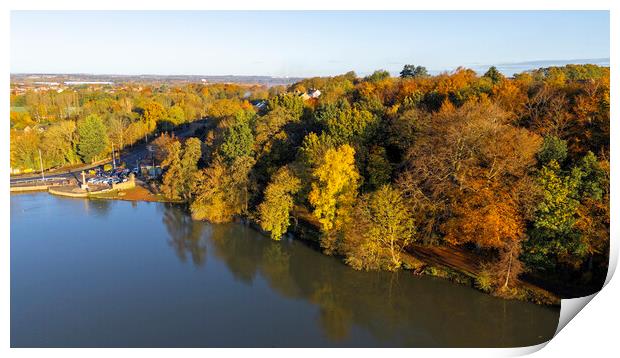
(41, 181)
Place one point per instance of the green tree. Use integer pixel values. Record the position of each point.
(172, 182)
(238, 141)
(347, 124)
(93, 140)
(314, 147)
(552, 236)
(293, 104)
(378, 75)
(494, 75)
(378, 168)
(274, 210)
(412, 71)
(553, 148)
(593, 183)
(181, 165)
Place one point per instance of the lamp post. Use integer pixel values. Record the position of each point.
(113, 158)
(41, 162)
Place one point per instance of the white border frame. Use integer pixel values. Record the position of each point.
(594, 330)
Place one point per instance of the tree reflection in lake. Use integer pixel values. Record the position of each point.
(396, 308)
(100, 208)
(185, 234)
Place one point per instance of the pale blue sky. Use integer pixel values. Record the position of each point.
(296, 43)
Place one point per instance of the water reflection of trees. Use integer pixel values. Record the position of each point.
(395, 308)
(185, 235)
(98, 207)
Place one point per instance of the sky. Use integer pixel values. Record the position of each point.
(298, 44)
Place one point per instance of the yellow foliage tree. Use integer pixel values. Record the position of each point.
(334, 190)
(382, 227)
(274, 211)
(221, 191)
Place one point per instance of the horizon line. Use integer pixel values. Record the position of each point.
(578, 61)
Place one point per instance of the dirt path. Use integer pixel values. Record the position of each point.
(448, 256)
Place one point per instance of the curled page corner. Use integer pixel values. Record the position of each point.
(569, 309)
(613, 261)
(523, 351)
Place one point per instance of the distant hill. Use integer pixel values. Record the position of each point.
(510, 69)
(61, 78)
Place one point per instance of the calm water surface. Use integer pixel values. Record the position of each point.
(121, 274)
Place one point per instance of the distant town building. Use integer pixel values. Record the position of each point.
(77, 83)
(312, 93)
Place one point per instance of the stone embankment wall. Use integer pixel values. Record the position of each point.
(70, 191)
(23, 189)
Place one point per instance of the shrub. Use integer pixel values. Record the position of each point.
(484, 280)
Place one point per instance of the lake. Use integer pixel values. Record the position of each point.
(135, 274)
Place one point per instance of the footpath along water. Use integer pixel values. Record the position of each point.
(99, 273)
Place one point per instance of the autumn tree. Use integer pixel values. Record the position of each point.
(334, 188)
(161, 145)
(175, 115)
(506, 269)
(24, 149)
(152, 113)
(21, 120)
(117, 130)
(274, 210)
(477, 159)
(210, 199)
(221, 190)
(380, 230)
(59, 143)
